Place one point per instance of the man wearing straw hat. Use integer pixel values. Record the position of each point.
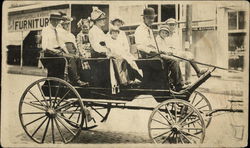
(53, 45)
(173, 42)
(147, 46)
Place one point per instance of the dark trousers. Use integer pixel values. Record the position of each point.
(57, 63)
(175, 71)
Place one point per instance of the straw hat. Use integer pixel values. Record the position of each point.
(56, 16)
(97, 14)
(164, 27)
(66, 20)
(116, 19)
(171, 21)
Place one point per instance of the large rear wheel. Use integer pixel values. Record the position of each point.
(47, 110)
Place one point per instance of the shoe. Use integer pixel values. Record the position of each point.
(81, 83)
(181, 87)
(203, 71)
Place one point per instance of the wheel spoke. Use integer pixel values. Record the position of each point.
(202, 107)
(68, 120)
(65, 105)
(97, 112)
(190, 134)
(62, 98)
(170, 114)
(49, 93)
(45, 131)
(39, 87)
(73, 113)
(52, 130)
(198, 102)
(34, 106)
(161, 134)
(167, 137)
(70, 112)
(164, 117)
(159, 122)
(36, 98)
(190, 128)
(194, 98)
(191, 122)
(60, 132)
(65, 126)
(28, 113)
(181, 138)
(57, 91)
(186, 117)
(34, 120)
(175, 112)
(39, 126)
(189, 140)
(159, 128)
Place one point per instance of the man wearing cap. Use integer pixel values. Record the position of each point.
(173, 42)
(53, 44)
(146, 44)
(96, 35)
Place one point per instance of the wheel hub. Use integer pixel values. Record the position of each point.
(176, 128)
(51, 113)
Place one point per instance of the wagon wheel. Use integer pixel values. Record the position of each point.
(199, 101)
(98, 113)
(176, 121)
(41, 107)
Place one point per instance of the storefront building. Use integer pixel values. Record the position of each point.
(219, 30)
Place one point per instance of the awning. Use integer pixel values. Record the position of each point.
(15, 38)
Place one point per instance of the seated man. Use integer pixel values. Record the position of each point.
(53, 44)
(173, 42)
(119, 50)
(146, 43)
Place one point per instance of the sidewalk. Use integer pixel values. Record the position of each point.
(219, 85)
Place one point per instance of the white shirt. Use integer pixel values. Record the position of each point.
(144, 39)
(162, 44)
(96, 35)
(49, 40)
(66, 36)
(124, 40)
(173, 40)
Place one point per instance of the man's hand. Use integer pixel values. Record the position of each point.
(170, 53)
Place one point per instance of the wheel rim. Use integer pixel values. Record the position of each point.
(199, 101)
(176, 121)
(41, 107)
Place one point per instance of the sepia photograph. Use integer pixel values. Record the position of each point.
(125, 73)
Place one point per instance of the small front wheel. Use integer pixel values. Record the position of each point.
(176, 121)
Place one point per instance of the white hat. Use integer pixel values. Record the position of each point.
(116, 19)
(170, 21)
(164, 27)
(97, 14)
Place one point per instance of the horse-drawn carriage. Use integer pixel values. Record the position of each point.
(52, 110)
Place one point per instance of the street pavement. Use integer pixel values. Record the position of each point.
(122, 126)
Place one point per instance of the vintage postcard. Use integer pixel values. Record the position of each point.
(125, 74)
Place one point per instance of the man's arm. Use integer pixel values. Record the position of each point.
(142, 41)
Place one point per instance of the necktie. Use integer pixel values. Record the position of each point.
(57, 39)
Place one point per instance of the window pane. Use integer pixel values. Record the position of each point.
(232, 20)
(236, 50)
(241, 19)
(155, 7)
(167, 11)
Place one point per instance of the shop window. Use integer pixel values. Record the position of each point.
(236, 20)
(167, 11)
(236, 50)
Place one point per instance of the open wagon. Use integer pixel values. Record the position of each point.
(52, 110)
